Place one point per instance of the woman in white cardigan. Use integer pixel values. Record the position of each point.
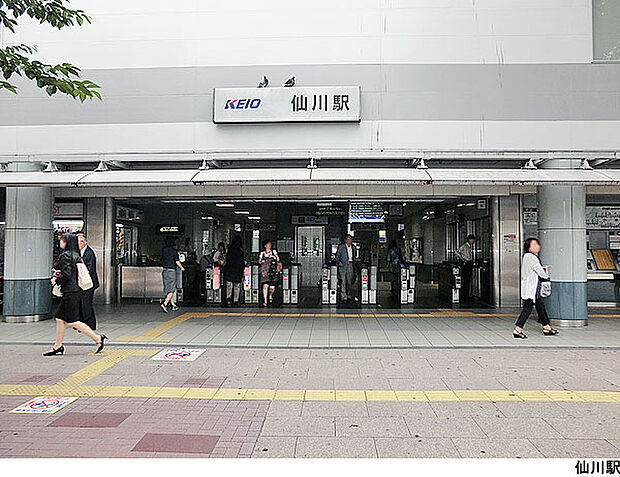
(532, 273)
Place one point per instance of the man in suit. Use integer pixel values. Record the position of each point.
(87, 312)
(345, 257)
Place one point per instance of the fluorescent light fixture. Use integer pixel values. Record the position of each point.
(324, 204)
(242, 212)
(470, 204)
(206, 217)
(120, 226)
(254, 217)
(225, 204)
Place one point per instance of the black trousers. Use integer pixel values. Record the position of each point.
(528, 306)
(87, 312)
(466, 270)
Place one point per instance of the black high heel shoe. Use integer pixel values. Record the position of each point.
(551, 332)
(102, 344)
(53, 352)
(519, 335)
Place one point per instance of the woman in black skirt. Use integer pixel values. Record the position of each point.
(68, 312)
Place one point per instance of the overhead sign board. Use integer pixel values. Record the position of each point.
(281, 105)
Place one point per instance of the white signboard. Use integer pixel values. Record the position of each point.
(178, 354)
(279, 105)
(602, 217)
(68, 210)
(43, 405)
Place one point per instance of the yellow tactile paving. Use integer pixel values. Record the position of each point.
(310, 394)
(320, 395)
(411, 396)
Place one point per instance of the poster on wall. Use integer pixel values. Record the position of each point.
(603, 217)
(530, 216)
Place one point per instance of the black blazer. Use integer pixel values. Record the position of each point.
(68, 279)
(90, 260)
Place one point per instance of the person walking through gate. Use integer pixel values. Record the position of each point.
(87, 311)
(233, 271)
(532, 273)
(170, 262)
(394, 262)
(466, 255)
(345, 257)
(270, 267)
(68, 312)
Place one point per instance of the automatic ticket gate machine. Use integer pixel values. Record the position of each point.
(251, 285)
(291, 280)
(329, 285)
(407, 284)
(213, 284)
(456, 284)
(368, 283)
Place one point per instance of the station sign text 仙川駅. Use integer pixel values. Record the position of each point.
(280, 105)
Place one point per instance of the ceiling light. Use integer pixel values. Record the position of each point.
(242, 212)
(206, 217)
(225, 204)
(254, 217)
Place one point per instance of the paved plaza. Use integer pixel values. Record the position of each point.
(142, 324)
(448, 396)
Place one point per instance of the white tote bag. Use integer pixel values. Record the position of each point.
(84, 280)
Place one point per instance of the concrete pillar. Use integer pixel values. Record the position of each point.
(28, 252)
(100, 222)
(562, 231)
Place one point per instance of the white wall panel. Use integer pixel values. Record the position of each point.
(429, 135)
(159, 33)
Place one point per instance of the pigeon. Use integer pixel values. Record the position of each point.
(290, 82)
(264, 83)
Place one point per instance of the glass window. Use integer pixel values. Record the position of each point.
(606, 29)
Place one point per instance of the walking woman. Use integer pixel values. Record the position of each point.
(269, 269)
(532, 273)
(68, 312)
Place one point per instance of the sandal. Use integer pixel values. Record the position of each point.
(519, 335)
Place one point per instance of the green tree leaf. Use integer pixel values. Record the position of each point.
(17, 59)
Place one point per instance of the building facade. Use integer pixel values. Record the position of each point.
(499, 118)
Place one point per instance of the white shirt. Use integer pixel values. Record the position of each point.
(82, 250)
(531, 273)
(465, 252)
(350, 251)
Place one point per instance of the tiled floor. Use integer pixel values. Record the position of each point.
(126, 426)
(146, 324)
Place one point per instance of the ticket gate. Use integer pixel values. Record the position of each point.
(251, 285)
(291, 280)
(456, 284)
(368, 280)
(213, 284)
(407, 284)
(329, 285)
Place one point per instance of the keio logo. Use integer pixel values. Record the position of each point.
(244, 103)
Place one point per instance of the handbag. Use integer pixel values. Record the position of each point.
(84, 279)
(545, 289)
